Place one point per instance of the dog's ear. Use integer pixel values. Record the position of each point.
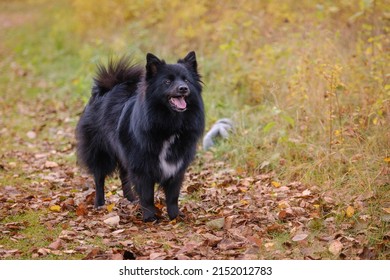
(152, 64)
(190, 61)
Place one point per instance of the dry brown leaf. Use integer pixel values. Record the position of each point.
(112, 221)
(228, 222)
(117, 256)
(216, 224)
(228, 244)
(300, 237)
(211, 239)
(387, 210)
(156, 256)
(335, 247)
(255, 240)
(50, 164)
(56, 245)
(81, 210)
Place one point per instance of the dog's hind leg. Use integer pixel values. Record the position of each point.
(103, 166)
(99, 185)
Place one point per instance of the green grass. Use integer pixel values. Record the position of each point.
(36, 235)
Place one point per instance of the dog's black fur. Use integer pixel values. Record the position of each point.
(146, 124)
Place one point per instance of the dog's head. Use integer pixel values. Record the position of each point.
(178, 85)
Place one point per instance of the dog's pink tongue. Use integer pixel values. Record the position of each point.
(179, 102)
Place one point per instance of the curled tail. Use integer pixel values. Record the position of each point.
(115, 73)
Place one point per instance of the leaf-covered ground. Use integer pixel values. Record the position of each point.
(46, 206)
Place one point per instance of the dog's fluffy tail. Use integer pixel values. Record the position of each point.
(121, 71)
(220, 129)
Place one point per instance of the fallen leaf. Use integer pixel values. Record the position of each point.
(55, 208)
(110, 207)
(216, 224)
(89, 199)
(244, 202)
(350, 211)
(43, 251)
(119, 231)
(211, 239)
(31, 134)
(282, 215)
(156, 256)
(306, 193)
(69, 251)
(117, 256)
(50, 164)
(56, 245)
(182, 257)
(283, 205)
(228, 244)
(81, 210)
(112, 221)
(275, 184)
(255, 240)
(387, 210)
(269, 246)
(335, 247)
(300, 237)
(228, 222)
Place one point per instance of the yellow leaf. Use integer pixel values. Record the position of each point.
(387, 159)
(110, 207)
(283, 205)
(275, 184)
(55, 208)
(109, 194)
(244, 202)
(350, 211)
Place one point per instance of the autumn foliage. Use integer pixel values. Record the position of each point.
(304, 175)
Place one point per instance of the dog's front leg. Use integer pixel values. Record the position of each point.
(172, 190)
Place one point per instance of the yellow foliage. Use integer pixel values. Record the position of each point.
(350, 211)
(55, 208)
(321, 65)
(110, 207)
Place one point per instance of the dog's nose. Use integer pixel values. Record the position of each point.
(183, 89)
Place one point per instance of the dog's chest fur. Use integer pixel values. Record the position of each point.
(169, 168)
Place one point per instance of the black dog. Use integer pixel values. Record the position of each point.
(146, 124)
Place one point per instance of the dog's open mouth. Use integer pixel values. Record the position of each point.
(178, 103)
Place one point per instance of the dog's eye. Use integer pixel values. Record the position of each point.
(167, 82)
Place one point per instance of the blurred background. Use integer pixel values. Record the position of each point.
(305, 82)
